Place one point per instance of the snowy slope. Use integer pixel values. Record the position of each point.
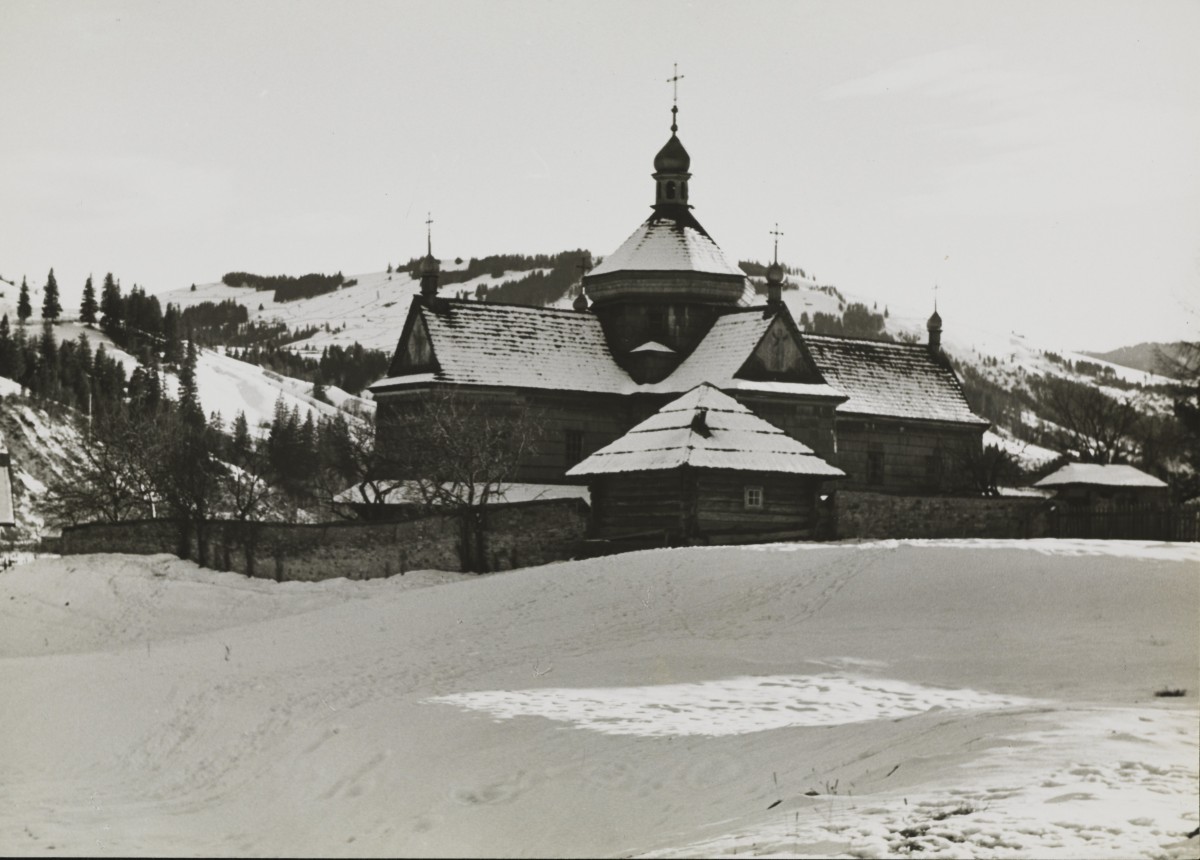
(42, 442)
(370, 312)
(228, 386)
(946, 699)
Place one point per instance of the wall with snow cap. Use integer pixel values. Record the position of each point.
(878, 515)
(520, 535)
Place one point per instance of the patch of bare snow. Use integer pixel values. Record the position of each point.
(732, 706)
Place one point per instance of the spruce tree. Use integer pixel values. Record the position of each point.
(87, 310)
(110, 306)
(189, 395)
(51, 306)
(24, 308)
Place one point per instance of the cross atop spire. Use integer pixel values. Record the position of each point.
(935, 292)
(674, 82)
(776, 234)
(429, 234)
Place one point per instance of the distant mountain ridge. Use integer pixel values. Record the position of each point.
(1144, 356)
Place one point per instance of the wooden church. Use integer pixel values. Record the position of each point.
(667, 312)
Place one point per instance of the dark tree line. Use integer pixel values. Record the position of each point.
(286, 287)
(857, 320)
(350, 368)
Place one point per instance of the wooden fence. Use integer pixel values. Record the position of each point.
(1134, 523)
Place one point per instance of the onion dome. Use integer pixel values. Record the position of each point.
(935, 322)
(672, 158)
(581, 302)
(775, 273)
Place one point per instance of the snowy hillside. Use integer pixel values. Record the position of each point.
(228, 386)
(43, 440)
(371, 312)
(947, 699)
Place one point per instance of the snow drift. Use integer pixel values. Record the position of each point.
(948, 698)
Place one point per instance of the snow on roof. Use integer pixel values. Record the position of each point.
(722, 353)
(477, 343)
(894, 380)
(664, 243)
(1098, 475)
(705, 429)
(653, 346)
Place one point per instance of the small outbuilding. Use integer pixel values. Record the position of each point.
(7, 511)
(705, 469)
(1095, 485)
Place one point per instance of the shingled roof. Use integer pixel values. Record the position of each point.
(892, 380)
(705, 429)
(718, 358)
(480, 343)
(666, 243)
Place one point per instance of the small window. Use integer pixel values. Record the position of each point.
(933, 469)
(875, 467)
(574, 447)
(671, 190)
(754, 498)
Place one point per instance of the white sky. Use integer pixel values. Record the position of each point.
(1038, 160)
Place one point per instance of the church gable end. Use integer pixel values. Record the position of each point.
(414, 353)
(779, 356)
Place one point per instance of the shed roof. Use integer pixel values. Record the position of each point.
(705, 429)
(892, 380)
(668, 243)
(1097, 475)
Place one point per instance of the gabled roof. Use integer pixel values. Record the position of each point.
(514, 346)
(1098, 475)
(890, 380)
(705, 429)
(723, 352)
(667, 243)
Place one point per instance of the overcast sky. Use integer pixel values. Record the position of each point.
(1037, 160)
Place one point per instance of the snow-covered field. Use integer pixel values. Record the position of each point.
(937, 699)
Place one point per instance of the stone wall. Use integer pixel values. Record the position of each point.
(877, 515)
(524, 534)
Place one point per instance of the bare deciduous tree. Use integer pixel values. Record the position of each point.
(457, 452)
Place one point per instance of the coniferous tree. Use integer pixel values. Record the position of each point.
(24, 308)
(51, 306)
(87, 310)
(8, 349)
(110, 306)
(189, 395)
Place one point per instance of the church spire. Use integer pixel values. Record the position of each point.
(672, 162)
(934, 327)
(775, 275)
(429, 265)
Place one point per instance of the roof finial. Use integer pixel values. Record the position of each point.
(776, 234)
(674, 82)
(935, 289)
(429, 234)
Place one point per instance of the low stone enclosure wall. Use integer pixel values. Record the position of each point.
(879, 515)
(519, 535)
(532, 533)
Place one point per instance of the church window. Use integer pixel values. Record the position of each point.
(875, 467)
(574, 447)
(671, 190)
(753, 498)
